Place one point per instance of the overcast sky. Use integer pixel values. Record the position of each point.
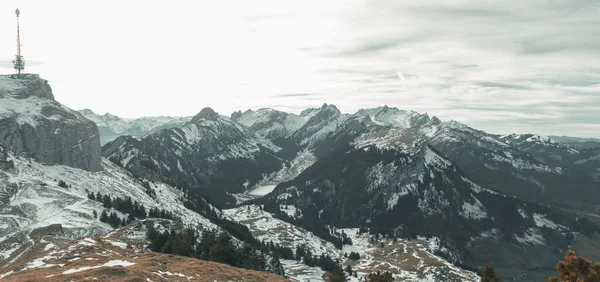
(501, 66)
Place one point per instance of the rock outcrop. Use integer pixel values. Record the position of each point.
(34, 124)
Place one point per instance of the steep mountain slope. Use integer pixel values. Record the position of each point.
(210, 155)
(544, 149)
(119, 256)
(290, 130)
(405, 193)
(321, 122)
(270, 123)
(493, 163)
(578, 154)
(111, 126)
(33, 123)
(32, 197)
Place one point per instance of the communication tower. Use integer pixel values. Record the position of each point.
(19, 62)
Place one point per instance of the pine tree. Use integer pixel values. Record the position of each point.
(224, 250)
(337, 274)
(380, 277)
(95, 214)
(107, 202)
(576, 269)
(308, 258)
(300, 252)
(104, 216)
(489, 274)
(130, 218)
(114, 220)
(207, 240)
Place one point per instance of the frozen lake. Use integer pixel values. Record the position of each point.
(262, 190)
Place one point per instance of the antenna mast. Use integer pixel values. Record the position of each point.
(19, 62)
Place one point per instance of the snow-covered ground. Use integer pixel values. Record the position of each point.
(33, 199)
(408, 260)
(265, 227)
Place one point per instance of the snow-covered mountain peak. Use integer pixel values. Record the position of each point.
(455, 124)
(321, 122)
(206, 113)
(270, 123)
(394, 117)
(529, 137)
(24, 86)
(329, 107)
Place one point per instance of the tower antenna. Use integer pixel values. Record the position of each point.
(19, 62)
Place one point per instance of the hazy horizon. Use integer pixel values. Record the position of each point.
(502, 67)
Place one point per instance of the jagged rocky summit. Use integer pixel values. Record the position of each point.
(33, 123)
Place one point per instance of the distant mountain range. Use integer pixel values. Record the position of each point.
(401, 185)
(401, 172)
(111, 126)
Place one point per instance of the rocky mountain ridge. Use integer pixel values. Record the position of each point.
(33, 123)
(111, 126)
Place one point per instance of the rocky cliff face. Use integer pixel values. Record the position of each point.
(34, 124)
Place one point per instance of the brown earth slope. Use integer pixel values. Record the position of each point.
(114, 258)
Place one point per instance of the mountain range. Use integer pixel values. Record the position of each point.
(452, 194)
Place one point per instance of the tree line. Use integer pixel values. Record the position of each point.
(214, 246)
(133, 209)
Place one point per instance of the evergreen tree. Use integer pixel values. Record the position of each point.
(489, 274)
(207, 240)
(104, 216)
(106, 202)
(380, 277)
(337, 274)
(576, 269)
(114, 220)
(63, 184)
(95, 214)
(224, 251)
(354, 256)
(308, 258)
(300, 252)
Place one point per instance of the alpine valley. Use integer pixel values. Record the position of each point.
(283, 195)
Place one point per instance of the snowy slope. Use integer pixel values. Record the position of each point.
(31, 198)
(211, 155)
(321, 122)
(415, 263)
